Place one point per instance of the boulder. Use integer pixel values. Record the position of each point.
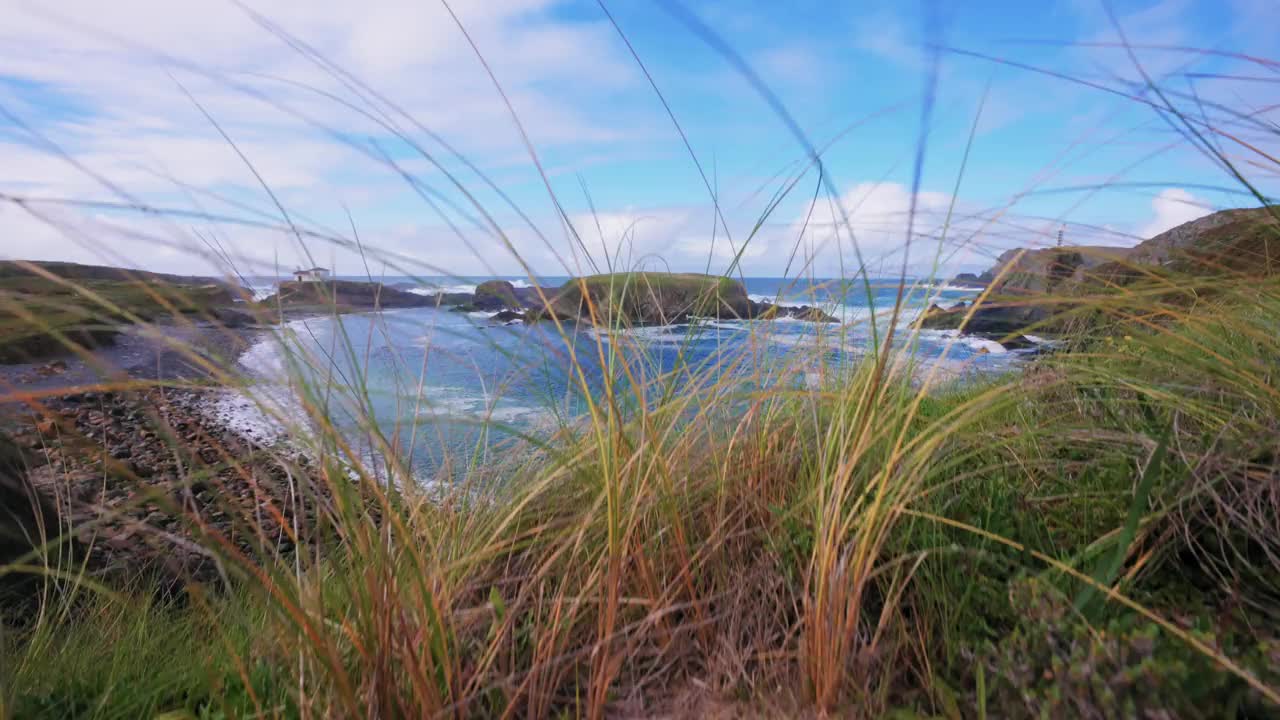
(765, 310)
(646, 298)
(57, 367)
(493, 295)
(232, 318)
(1017, 342)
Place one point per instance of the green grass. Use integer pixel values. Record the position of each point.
(129, 656)
(42, 317)
(879, 541)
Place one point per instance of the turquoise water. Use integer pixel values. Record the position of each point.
(449, 382)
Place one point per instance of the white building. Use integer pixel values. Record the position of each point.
(315, 274)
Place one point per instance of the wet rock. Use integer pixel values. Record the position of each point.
(57, 367)
(494, 295)
(108, 468)
(1018, 342)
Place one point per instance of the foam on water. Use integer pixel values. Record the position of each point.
(262, 292)
(467, 366)
(258, 410)
(974, 343)
(433, 288)
(444, 402)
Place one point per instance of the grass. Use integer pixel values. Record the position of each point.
(1094, 534)
(793, 544)
(38, 314)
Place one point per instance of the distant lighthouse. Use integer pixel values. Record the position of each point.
(1061, 229)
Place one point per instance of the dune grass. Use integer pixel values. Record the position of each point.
(858, 546)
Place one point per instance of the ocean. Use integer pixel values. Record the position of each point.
(444, 384)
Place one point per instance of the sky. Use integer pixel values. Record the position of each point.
(512, 137)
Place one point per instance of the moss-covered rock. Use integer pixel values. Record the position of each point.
(344, 295)
(648, 298)
(495, 295)
(1043, 288)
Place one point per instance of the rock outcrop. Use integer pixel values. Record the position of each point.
(968, 280)
(645, 298)
(344, 295)
(48, 308)
(1231, 242)
(1039, 287)
(495, 295)
(145, 480)
(639, 298)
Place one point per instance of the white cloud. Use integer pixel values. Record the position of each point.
(1171, 208)
(879, 216)
(101, 80)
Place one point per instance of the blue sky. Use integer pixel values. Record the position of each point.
(117, 103)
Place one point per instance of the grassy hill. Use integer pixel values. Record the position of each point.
(84, 305)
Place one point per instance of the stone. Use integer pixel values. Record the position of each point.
(493, 295)
(57, 367)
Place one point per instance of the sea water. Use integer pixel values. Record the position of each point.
(441, 384)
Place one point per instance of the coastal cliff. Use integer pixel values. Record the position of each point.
(1037, 289)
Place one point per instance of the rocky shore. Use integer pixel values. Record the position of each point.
(1041, 290)
(634, 299)
(120, 453)
(142, 481)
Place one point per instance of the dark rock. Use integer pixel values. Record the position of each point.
(449, 299)
(343, 296)
(968, 280)
(1017, 342)
(232, 318)
(646, 298)
(57, 367)
(506, 316)
(493, 295)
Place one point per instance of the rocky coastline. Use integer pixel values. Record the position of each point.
(1040, 290)
(122, 445)
(145, 479)
(633, 299)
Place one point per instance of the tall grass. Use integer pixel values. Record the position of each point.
(754, 533)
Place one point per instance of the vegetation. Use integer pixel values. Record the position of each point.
(650, 298)
(1096, 534)
(41, 312)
